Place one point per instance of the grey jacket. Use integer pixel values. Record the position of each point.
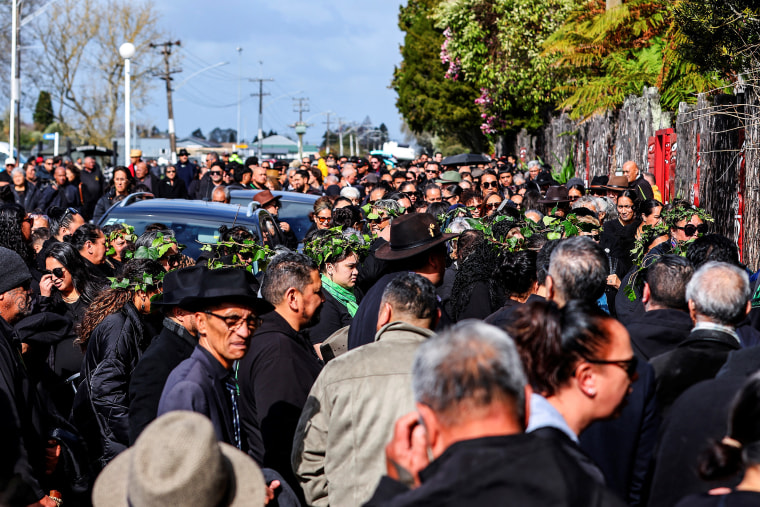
(339, 446)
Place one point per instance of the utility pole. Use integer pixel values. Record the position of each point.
(340, 135)
(240, 78)
(327, 137)
(14, 74)
(260, 95)
(300, 126)
(167, 76)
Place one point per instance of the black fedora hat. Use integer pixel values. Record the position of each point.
(599, 181)
(412, 234)
(555, 194)
(183, 151)
(226, 285)
(179, 285)
(545, 179)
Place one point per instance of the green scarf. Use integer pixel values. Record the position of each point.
(343, 295)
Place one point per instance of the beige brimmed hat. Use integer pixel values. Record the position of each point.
(135, 153)
(177, 460)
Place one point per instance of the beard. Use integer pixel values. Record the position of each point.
(314, 320)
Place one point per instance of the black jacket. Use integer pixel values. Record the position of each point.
(658, 331)
(698, 358)
(101, 403)
(333, 316)
(92, 188)
(22, 465)
(275, 378)
(105, 202)
(30, 198)
(171, 347)
(176, 191)
(495, 471)
(698, 416)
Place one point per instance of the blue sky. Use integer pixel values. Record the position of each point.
(338, 53)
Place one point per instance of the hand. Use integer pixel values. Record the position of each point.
(285, 227)
(52, 454)
(46, 285)
(406, 454)
(270, 491)
(613, 281)
(45, 501)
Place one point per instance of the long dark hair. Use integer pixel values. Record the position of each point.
(12, 216)
(87, 285)
(741, 446)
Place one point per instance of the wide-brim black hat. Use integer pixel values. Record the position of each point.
(226, 285)
(555, 194)
(410, 235)
(180, 284)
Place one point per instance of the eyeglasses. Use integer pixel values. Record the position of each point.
(215, 173)
(56, 272)
(691, 229)
(233, 322)
(628, 365)
(489, 184)
(323, 219)
(448, 198)
(431, 171)
(493, 205)
(170, 172)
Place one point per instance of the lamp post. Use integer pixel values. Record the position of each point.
(127, 51)
(14, 76)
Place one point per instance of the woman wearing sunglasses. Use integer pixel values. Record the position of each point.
(580, 364)
(172, 186)
(67, 287)
(321, 216)
(492, 204)
(685, 225)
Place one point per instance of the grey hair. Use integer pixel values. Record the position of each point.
(18, 170)
(578, 266)
(347, 170)
(540, 215)
(608, 206)
(350, 192)
(388, 205)
(459, 225)
(330, 179)
(533, 163)
(285, 271)
(720, 292)
(518, 179)
(411, 294)
(470, 362)
(586, 199)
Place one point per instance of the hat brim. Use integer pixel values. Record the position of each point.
(386, 253)
(553, 201)
(249, 486)
(614, 189)
(274, 198)
(195, 303)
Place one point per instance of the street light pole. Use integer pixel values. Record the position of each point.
(14, 79)
(240, 78)
(127, 51)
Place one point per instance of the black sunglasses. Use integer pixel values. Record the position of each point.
(56, 272)
(489, 184)
(215, 172)
(628, 365)
(691, 229)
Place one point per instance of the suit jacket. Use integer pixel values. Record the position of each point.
(658, 331)
(698, 358)
(166, 352)
(198, 385)
(500, 470)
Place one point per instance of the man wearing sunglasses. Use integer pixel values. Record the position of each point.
(432, 171)
(489, 184)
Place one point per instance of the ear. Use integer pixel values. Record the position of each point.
(550, 287)
(584, 376)
(528, 394)
(693, 311)
(436, 319)
(431, 423)
(201, 322)
(292, 297)
(749, 307)
(384, 316)
(646, 295)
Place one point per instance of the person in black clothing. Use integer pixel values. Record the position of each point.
(22, 455)
(25, 192)
(122, 187)
(178, 338)
(62, 193)
(172, 186)
(738, 450)
(636, 181)
(718, 296)
(276, 375)
(93, 185)
(666, 321)
(517, 275)
(186, 169)
(470, 389)
(90, 242)
(618, 238)
(416, 244)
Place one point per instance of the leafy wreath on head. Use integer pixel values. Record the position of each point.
(158, 247)
(128, 233)
(684, 212)
(245, 250)
(145, 282)
(334, 242)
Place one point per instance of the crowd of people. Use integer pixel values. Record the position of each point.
(443, 335)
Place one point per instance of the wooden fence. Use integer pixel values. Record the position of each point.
(716, 154)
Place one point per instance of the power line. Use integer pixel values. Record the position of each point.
(166, 51)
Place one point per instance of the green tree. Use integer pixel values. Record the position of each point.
(720, 35)
(608, 54)
(496, 45)
(43, 111)
(428, 102)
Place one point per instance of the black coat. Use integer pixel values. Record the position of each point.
(658, 331)
(275, 378)
(504, 316)
(333, 316)
(92, 188)
(101, 403)
(176, 191)
(495, 471)
(642, 187)
(170, 348)
(624, 447)
(698, 358)
(30, 198)
(21, 445)
(699, 415)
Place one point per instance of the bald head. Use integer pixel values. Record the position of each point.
(631, 170)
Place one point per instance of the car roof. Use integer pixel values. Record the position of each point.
(291, 196)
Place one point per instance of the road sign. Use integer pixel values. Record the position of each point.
(48, 137)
